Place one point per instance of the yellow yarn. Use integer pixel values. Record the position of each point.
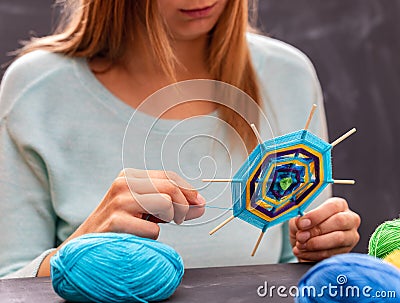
(394, 258)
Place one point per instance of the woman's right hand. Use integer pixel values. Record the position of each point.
(134, 196)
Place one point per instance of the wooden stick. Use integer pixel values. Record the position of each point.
(257, 243)
(221, 225)
(343, 137)
(314, 107)
(348, 182)
(255, 130)
(216, 180)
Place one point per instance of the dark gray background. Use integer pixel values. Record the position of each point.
(355, 48)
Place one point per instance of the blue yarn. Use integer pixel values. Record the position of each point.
(265, 157)
(111, 267)
(346, 271)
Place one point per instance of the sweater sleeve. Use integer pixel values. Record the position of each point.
(27, 218)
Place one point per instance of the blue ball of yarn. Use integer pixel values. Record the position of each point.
(112, 267)
(348, 275)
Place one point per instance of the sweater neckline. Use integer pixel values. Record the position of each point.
(131, 115)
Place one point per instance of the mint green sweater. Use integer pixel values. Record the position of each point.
(61, 134)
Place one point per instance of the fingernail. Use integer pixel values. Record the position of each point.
(303, 236)
(200, 199)
(304, 223)
(179, 222)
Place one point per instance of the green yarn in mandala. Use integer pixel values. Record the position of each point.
(285, 183)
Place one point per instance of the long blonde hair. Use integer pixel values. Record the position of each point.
(101, 28)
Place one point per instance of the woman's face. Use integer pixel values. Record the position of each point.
(190, 19)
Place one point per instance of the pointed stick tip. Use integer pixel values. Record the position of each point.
(255, 130)
(257, 243)
(346, 182)
(216, 180)
(313, 108)
(221, 225)
(343, 137)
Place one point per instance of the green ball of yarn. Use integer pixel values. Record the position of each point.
(385, 239)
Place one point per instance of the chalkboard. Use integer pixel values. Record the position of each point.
(355, 48)
(21, 19)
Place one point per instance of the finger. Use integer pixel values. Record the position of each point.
(151, 218)
(346, 220)
(293, 231)
(196, 201)
(316, 216)
(124, 223)
(197, 210)
(332, 240)
(188, 191)
(319, 255)
(118, 187)
(293, 226)
(158, 205)
(162, 186)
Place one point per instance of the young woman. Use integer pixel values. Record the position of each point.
(64, 108)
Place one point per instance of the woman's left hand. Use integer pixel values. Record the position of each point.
(328, 230)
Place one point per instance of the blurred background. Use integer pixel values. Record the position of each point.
(355, 47)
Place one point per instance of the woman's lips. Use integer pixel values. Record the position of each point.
(198, 12)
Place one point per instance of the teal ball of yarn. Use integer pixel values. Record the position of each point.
(350, 278)
(112, 267)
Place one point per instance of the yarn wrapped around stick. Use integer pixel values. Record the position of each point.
(385, 239)
(351, 278)
(112, 267)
